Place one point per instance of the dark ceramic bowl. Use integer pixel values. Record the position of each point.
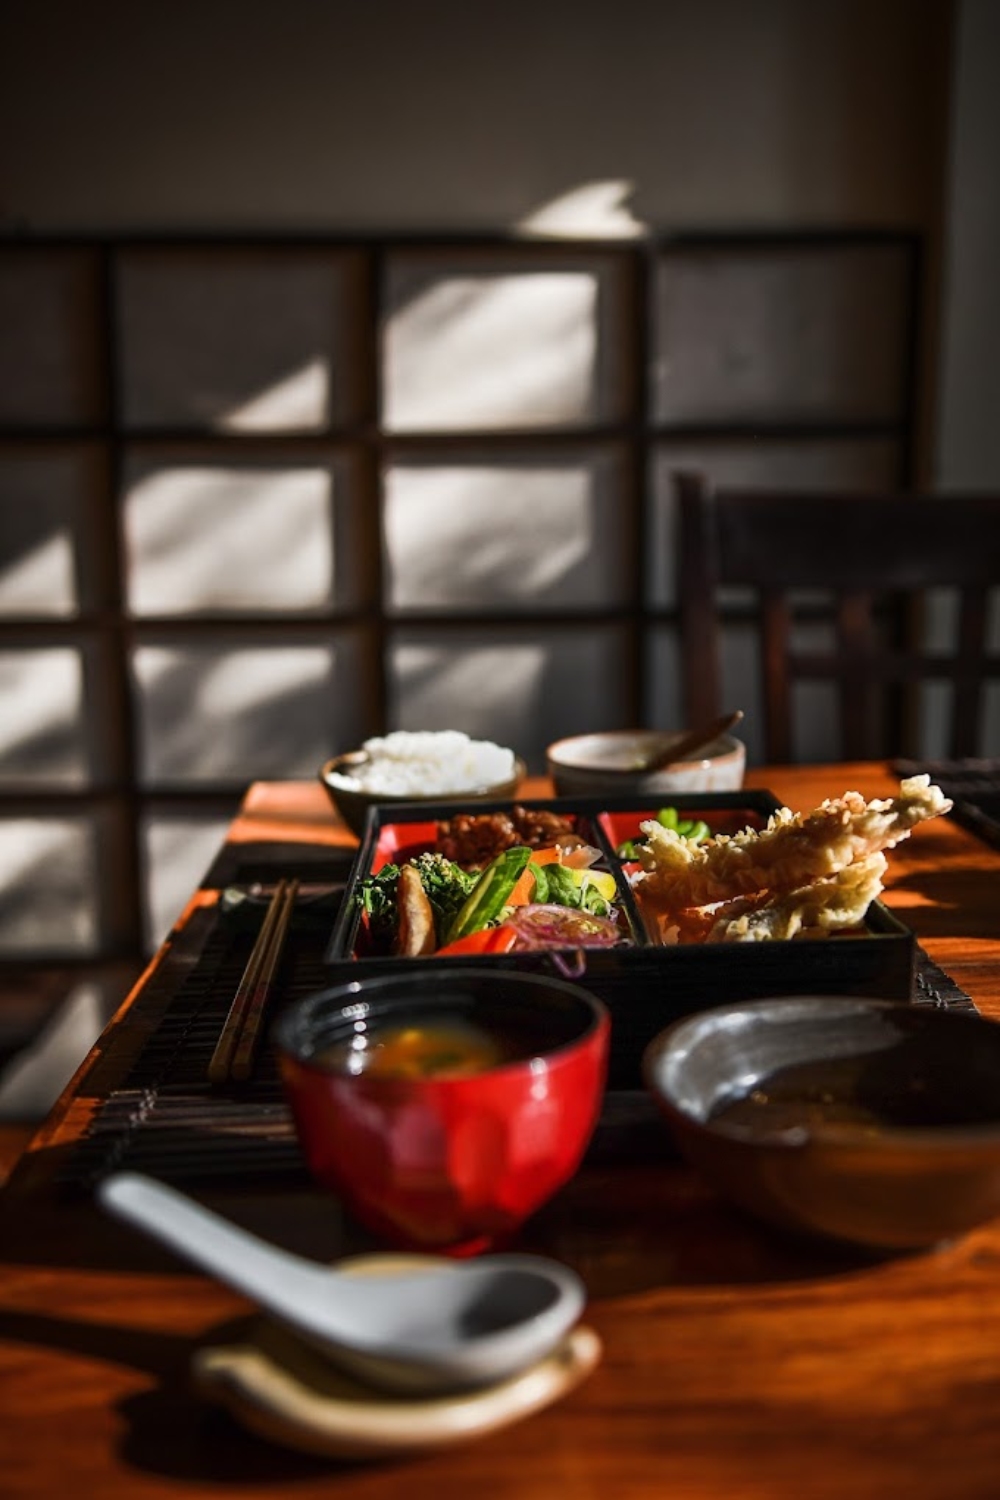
(446, 1163)
(871, 1122)
(353, 805)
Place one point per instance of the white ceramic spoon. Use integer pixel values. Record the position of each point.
(455, 1325)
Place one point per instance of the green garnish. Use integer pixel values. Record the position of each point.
(488, 897)
(695, 830)
(564, 890)
(445, 883)
(376, 895)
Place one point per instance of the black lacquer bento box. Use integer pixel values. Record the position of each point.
(644, 983)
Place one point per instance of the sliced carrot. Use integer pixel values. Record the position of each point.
(486, 940)
(524, 891)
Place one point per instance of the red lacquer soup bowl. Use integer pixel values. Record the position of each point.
(445, 1105)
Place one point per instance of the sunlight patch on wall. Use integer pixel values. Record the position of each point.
(234, 339)
(207, 713)
(596, 210)
(213, 538)
(299, 402)
(177, 852)
(40, 581)
(41, 691)
(47, 886)
(473, 691)
(241, 681)
(479, 536)
(492, 351)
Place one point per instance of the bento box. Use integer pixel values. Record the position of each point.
(644, 982)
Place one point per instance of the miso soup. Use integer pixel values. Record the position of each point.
(441, 1046)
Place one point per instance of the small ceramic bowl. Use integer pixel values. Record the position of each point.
(353, 805)
(597, 765)
(441, 1159)
(870, 1122)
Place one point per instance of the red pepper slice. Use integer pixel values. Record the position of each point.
(486, 940)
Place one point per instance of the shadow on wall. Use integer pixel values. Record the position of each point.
(231, 346)
(206, 537)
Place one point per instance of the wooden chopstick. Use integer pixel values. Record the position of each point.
(242, 1064)
(219, 1067)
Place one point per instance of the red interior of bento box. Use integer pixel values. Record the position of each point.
(398, 842)
(619, 826)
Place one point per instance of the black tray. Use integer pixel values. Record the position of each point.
(646, 985)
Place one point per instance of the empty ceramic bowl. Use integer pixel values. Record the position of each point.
(871, 1122)
(444, 1105)
(424, 766)
(608, 764)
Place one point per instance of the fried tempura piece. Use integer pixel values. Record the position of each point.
(794, 850)
(828, 905)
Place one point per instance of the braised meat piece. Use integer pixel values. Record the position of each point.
(473, 839)
(540, 829)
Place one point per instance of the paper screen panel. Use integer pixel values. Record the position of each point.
(523, 687)
(255, 534)
(781, 334)
(239, 341)
(49, 893)
(502, 342)
(42, 734)
(208, 713)
(176, 852)
(533, 535)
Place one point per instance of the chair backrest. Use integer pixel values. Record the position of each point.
(874, 556)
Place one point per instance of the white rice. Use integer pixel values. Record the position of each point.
(428, 763)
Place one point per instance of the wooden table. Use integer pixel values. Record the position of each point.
(737, 1366)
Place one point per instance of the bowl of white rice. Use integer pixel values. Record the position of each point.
(419, 766)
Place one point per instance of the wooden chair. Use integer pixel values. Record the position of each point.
(875, 555)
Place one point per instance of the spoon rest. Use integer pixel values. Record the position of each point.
(279, 1388)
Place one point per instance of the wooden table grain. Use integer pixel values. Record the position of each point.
(737, 1364)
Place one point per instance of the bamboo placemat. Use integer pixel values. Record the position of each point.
(165, 1119)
